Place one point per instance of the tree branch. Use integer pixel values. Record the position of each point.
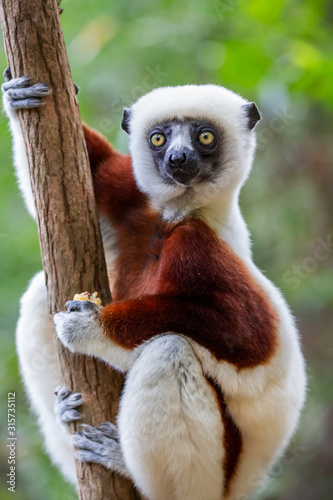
(70, 240)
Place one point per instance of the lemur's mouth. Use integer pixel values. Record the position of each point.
(182, 177)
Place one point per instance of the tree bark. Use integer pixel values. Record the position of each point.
(70, 240)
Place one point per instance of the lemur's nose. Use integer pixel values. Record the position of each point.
(177, 160)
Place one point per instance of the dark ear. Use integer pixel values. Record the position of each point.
(253, 115)
(125, 122)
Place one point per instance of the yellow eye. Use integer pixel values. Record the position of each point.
(157, 140)
(206, 138)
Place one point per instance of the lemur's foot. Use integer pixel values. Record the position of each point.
(66, 404)
(100, 445)
(21, 93)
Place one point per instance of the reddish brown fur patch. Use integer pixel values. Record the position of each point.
(180, 278)
(116, 192)
(99, 149)
(185, 280)
(232, 439)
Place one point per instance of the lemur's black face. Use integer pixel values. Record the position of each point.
(186, 152)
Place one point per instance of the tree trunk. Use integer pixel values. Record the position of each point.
(70, 240)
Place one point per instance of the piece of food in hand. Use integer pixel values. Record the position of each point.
(92, 297)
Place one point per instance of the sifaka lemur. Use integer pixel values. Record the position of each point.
(215, 378)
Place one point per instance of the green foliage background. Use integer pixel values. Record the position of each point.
(278, 54)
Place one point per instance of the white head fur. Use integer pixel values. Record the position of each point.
(218, 105)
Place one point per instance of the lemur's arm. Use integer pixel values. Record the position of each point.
(115, 188)
(20, 93)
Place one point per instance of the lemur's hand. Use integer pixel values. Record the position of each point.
(21, 93)
(80, 326)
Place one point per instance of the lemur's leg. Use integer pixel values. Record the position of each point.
(20, 93)
(170, 424)
(170, 427)
(41, 374)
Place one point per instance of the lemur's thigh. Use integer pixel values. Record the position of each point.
(40, 371)
(170, 424)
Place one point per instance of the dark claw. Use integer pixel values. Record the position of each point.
(7, 74)
(81, 306)
(77, 88)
